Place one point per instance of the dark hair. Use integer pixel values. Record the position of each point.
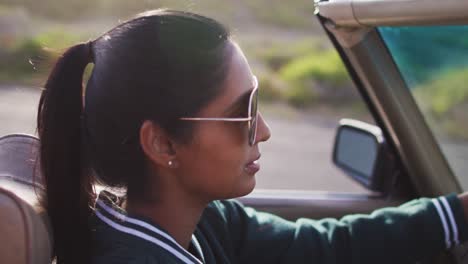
(159, 66)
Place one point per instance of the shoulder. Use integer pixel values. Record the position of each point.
(233, 217)
(224, 210)
(113, 246)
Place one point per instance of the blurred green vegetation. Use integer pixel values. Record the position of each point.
(28, 59)
(57, 38)
(324, 66)
(445, 92)
(274, 12)
(17, 60)
(303, 73)
(307, 73)
(56, 9)
(445, 99)
(283, 13)
(77, 10)
(278, 54)
(270, 90)
(297, 68)
(433, 62)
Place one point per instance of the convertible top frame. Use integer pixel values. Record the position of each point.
(354, 13)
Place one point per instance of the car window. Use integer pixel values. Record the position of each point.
(434, 63)
(304, 87)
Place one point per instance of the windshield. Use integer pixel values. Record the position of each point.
(434, 63)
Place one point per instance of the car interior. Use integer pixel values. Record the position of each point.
(23, 224)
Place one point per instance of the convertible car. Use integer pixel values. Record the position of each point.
(409, 61)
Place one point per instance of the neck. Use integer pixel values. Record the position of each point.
(178, 217)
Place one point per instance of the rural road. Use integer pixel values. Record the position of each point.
(297, 157)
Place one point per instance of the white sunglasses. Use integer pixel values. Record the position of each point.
(251, 118)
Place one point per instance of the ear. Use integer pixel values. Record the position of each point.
(157, 145)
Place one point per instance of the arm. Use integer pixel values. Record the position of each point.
(414, 231)
(464, 202)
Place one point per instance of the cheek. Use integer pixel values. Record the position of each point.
(214, 163)
(224, 143)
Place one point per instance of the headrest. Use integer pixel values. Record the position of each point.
(25, 234)
(18, 156)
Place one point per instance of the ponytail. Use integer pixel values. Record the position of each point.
(69, 193)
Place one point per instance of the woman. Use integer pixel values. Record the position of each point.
(170, 115)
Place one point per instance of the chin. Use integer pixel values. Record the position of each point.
(246, 188)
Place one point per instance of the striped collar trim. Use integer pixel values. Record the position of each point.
(115, 217)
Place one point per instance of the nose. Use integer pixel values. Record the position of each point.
(263, 130)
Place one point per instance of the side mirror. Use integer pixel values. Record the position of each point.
(361, 152)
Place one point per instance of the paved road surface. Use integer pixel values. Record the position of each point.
(296, 157)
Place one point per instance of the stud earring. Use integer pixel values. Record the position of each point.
(172, 164)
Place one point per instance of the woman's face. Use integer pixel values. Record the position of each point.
(219, 163)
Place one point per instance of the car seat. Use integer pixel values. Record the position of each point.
(25, 233)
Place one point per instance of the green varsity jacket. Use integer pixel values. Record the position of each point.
(228, 232)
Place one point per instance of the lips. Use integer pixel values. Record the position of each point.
(253, 167)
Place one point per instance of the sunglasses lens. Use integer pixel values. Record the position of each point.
(253, 114)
